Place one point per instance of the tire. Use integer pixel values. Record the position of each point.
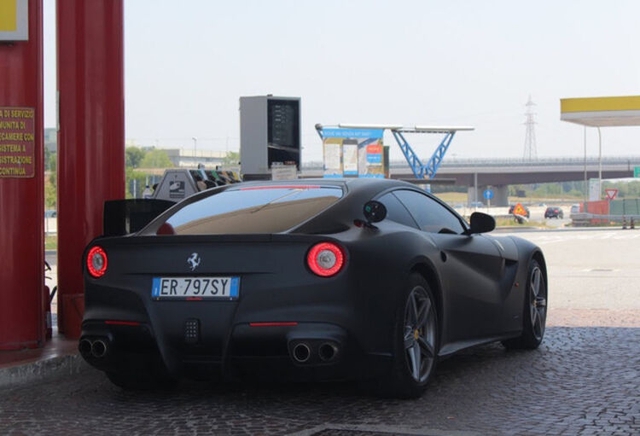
(534, 316)
(416, 339)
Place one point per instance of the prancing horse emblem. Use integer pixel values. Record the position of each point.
(193, 261)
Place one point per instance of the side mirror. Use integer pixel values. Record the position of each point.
(374, 211)
(481, 223)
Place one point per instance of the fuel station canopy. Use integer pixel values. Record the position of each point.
(601, 111)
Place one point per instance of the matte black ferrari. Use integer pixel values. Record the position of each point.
(331, 279)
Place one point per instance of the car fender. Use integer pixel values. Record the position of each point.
(507, 246)
(387, 272)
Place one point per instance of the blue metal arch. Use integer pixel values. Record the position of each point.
(420, 170)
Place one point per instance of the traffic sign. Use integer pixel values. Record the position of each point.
(519, 210)
(488, 194)
(611, 193)
(636, 172)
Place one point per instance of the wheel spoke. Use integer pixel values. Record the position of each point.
(534, 316)
(536, 278)
(416, 305)
(412, 309)
(536, 327)
(427, 348)
(416, 360)
(423, 314)
(408, 337)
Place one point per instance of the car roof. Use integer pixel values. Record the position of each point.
(352, 183)
(365, 187)
(356, 192)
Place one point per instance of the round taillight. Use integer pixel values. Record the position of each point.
(97, 262)
(325, 259)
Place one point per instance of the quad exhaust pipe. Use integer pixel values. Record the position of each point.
(314, 351)
(97, 348)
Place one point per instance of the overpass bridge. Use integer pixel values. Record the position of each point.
(496, 172)
(479, 174)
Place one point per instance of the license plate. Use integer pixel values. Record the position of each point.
(226, 288)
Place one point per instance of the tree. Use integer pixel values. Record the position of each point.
(232, 158)
(51, 180)
(137, 186)
(156, 159)
(133, 156)
(50, 192)
(51, 170)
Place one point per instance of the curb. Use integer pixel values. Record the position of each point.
(42, 370)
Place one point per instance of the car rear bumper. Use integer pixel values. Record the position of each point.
(288, 351)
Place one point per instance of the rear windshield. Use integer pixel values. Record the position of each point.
(253, 209)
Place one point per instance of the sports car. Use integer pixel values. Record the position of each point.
(362, 279)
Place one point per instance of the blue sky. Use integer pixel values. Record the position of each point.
(425, 62)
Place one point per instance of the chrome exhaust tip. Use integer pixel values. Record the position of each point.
(84, 347)
(301, 352)
(99, 348)
(327, 351)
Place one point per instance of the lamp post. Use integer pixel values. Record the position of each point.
(195, 148)
(599, 165)
(586, 180)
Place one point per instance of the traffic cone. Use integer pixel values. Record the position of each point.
(624, 223)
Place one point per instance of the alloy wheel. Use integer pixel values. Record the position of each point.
(419, 334)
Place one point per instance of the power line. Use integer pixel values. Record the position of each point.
(530, 152)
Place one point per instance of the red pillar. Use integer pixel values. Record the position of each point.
(90, 139)
(22, 323)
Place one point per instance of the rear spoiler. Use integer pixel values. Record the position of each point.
(121, 217)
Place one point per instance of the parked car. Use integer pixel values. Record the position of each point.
(327, 279)
(553, 212)
(575, 208)
(50, 213)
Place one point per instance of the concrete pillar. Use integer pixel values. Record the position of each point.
(500, 195)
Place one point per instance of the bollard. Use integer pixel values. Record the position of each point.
(631, 224)
(624, 223)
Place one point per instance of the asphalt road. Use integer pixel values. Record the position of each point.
(583, 380)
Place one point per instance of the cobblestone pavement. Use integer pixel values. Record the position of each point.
(583, 380)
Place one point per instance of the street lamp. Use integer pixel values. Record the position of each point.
(599, 164)
(586, 179)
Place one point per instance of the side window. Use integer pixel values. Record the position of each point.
(430, 215)
(396, 211)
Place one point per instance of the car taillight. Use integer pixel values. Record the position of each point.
(97, 262)
(325, 259)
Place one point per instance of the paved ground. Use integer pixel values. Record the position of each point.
(584, 379)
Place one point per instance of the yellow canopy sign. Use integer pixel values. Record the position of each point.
(14, 20)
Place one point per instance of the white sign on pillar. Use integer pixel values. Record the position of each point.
(594, 190)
